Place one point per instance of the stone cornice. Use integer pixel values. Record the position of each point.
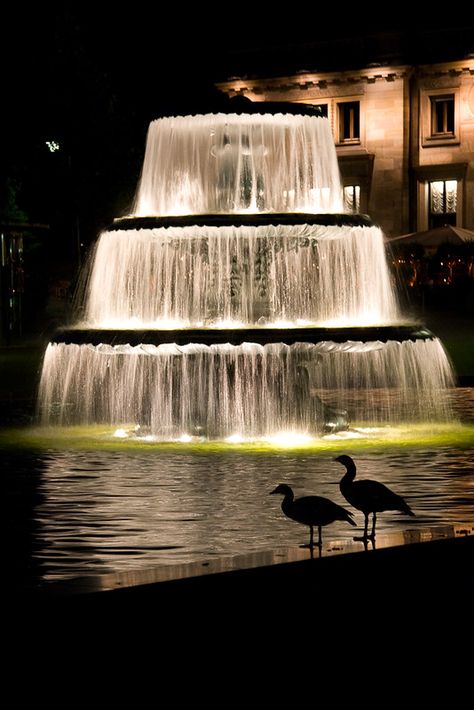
(312, 80)
(325, 81)
(462, 66)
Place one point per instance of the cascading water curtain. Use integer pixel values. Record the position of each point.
(252, 390)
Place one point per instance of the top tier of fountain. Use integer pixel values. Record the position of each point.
(239, 163)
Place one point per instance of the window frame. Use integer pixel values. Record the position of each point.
(436, 101)
(338, 122)
(432, 173)
(429, 137)
(356, 194)
(444, 217)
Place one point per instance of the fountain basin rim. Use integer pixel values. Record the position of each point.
(238, 336)
(257, 219)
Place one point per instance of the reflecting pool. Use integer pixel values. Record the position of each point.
(90, 507)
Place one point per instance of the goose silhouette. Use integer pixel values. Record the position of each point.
(368, 496)
(313, 511)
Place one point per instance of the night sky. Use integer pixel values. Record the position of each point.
(93, 81)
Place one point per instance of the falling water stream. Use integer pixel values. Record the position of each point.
(236, 227)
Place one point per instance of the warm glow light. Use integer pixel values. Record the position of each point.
(364, 319)
(289, 438)
(137, 324)
(235, 439)
(281, 324)
(229, 324)
(120, 434)
(299, 322)
(359, 320)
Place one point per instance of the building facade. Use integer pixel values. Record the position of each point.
(404, 137)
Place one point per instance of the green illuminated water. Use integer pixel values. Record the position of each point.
(357, 439)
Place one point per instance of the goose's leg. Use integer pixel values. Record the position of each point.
(374, 522)
(366, 525)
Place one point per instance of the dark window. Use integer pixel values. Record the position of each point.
(323, 108)
(443, 202)
(442, 115)
(349, 122)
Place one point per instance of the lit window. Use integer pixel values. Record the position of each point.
(349, 122)
(442, 115)
(352, 198)
(443, 202)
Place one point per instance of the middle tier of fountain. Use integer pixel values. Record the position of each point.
(240, 276)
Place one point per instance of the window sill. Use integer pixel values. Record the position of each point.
(348, 142)
(350, 148)
(439, 140)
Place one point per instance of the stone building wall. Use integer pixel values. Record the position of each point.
(395, 158)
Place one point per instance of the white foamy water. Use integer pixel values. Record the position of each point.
(255, 390)
(223, 164)
(197, 276)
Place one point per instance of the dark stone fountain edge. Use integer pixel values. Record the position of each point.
(259, 219)
(238, 336)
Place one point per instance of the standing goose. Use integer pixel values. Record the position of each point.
(369, 496)
(311, 510)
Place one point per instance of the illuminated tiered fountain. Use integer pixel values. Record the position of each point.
(237, 301)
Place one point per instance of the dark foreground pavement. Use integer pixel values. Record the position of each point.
(390, 627)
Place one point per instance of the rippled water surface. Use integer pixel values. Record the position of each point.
(79, 512)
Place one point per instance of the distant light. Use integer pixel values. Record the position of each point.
(185, 438)
(53, 146)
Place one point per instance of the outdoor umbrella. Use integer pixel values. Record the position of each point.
(435, 237)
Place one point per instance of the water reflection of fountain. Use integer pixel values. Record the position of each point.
(237, 300)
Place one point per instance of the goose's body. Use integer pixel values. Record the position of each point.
(369, 496)
(313, 511)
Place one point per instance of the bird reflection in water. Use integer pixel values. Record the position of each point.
(313, 511)
(368, 542)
